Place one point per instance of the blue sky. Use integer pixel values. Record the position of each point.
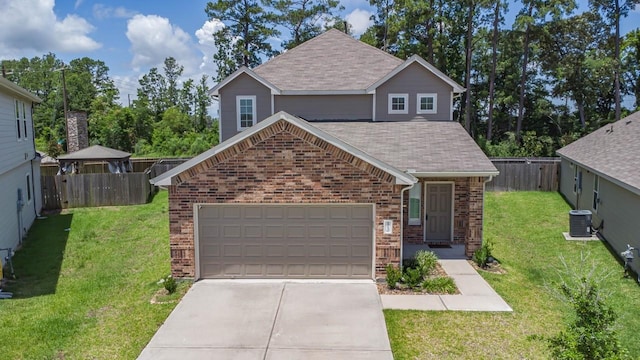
(133, 36)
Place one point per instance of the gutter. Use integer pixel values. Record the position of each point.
(456, 174)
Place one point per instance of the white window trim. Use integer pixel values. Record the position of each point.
(24, 121)
(596, 193)
(18, 119)
(406, 104)
(575, 179)
(254, 112)
(29, 193)
(427, 95)
(415, 221)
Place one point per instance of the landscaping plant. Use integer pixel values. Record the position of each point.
(439, 285)
(169, 284)
(427, 261)
(394, 275)
(484, 255)
(412, 277)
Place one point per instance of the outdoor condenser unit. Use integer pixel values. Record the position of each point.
(580, 223)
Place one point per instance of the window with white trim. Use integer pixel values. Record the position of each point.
(427, 104)
(596, 192)
(18, 125)
(24, 120)
(246, 111)
(415, 210)
(398, 103)
(575, 179)
(28, 188)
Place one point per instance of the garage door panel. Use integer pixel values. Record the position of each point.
(285, 241)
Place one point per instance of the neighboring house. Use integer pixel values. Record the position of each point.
(20, 195)
(335, 155)
(601, 173)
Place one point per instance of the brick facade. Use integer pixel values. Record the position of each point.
(282, 164)
(467, 213)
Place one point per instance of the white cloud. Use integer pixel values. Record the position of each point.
(32, 25)
(205, 33)
(153, 38)
(78, 3)
(360, 21)
(101, 11)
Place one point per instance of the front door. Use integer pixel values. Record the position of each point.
(438, 212)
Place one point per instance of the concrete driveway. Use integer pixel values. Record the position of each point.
(274, 320)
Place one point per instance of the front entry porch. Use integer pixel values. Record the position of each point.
(455, 251)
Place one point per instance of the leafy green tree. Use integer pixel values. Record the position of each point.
(304, 19)
(245, 37)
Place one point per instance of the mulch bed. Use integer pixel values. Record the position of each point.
(383, 289)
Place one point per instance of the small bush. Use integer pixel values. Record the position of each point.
(412, 277)
(410, 263)
(439, 285)
(427, 261)
(482, 255)
(169, 284)
(394, 275)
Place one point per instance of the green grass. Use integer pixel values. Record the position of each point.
(526, 230)
(85, 293)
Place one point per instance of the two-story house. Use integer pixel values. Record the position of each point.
(20, 195)
(335, 156)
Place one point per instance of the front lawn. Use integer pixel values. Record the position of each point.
(526, 229)
(85, 279)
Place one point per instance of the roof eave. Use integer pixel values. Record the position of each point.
(16, 89)
(443, 174)
(622, 184)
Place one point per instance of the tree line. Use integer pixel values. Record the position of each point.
(534, 85)
(168, 118)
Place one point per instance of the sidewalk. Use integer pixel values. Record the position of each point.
(475, 293)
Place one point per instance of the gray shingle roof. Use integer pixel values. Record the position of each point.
(331, 61)
(424, 146)
(612, 151)
(96, 152)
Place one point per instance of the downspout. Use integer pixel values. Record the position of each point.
(402, 218)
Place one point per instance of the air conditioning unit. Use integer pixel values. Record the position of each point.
(580, 223)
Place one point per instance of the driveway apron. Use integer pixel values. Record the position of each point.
(274, 320)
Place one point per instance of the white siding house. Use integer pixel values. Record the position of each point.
(20, 194)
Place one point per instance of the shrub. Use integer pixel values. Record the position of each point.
(482, 255)
(427, 261)
(411, 263)
(394, 275)
(412, 277)
(439, 285)
(169, 284)
(592, 334)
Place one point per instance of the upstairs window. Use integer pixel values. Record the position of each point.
(18, 125)
(427, 104)
(28, 188)
(24, 120)
(398, 103)
(246, 111)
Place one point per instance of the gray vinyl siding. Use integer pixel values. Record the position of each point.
(242, 85)
(9, 215)
(14, 151)
(618, 208)
(326, 107)
(413, 80)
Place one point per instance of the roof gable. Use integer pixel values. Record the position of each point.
(243, 70)
(613, 151)
(265, 129)
(331, 61)
(457, 88)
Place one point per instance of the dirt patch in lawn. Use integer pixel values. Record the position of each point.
(402, 289)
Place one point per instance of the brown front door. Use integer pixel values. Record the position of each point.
(438, 212)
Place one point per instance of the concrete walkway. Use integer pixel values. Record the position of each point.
(475, 293)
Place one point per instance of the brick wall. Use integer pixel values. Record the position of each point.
(467, 213)
(282, 164)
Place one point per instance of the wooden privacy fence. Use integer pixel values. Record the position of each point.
(525, 174)
(86, 190)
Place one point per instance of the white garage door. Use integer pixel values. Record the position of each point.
(285, 241)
